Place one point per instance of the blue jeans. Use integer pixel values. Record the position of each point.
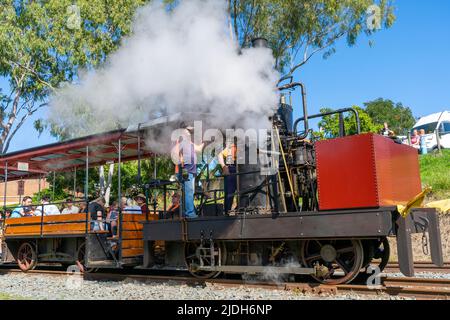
(230, 188)
(189, 188)
(95, 226)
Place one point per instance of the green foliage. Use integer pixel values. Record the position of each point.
(44, 43)
(59, 195)
(129, 174)
(330, 124)
(399, 117)
(64, 181)
(435, 172)
(305, 27)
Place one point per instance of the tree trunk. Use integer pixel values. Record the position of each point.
(108, 186)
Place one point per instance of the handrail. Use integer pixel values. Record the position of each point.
(340, 111)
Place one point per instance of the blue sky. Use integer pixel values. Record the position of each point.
(408, 63)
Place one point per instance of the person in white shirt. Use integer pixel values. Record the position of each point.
(70, 207)
(129, 207)
(49, 209)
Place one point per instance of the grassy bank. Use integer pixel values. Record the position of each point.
(435, 171)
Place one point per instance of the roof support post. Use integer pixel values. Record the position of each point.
(39, 189)
(53, 187)
(86, 189)
(119, 195)
(75, 183)
(139, 155)
(5, 189)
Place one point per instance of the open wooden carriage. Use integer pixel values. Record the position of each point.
(67, 238)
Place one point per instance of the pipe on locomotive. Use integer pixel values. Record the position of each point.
(305, 108)
(340, 111)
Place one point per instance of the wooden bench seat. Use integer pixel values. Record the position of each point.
(62, 224)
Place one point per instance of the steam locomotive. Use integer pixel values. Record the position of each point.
(327, 211)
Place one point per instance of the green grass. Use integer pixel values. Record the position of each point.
(435, 172)
(7, 296)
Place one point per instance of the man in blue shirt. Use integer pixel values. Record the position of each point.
(25, 210)
(186, 150)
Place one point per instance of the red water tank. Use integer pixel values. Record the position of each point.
(366, 171)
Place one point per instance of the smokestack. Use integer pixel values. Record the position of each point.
(260, 43)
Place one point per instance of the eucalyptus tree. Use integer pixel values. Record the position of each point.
(299, 29)
(44, 43)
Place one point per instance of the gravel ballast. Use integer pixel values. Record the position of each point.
(47, 287)
(423, 275)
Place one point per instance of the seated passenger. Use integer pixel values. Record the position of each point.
(112, 217)
(97, 214)
(7, 214)
(141, 202)
(83, 207)
(174, 209)
(25, 210)
(129, 207)
(70, 208)
(49, 209)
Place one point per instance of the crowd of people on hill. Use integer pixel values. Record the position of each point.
(417, 140)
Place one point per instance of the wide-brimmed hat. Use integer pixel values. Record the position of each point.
(140, 195)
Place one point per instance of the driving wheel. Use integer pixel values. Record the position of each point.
(343, 259)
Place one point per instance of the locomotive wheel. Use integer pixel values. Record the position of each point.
(343, 258)
(81, 253)
(193, 261)
(26, 257)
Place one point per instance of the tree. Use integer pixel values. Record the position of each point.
(64, 181)
(306, 27)
(45, 42)
(330, 124)
(399, 117)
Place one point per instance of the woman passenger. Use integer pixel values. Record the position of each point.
(112, 217)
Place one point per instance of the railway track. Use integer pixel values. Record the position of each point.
(419, 288)
(421, 267)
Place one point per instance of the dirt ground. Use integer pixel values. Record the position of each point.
(417, 242)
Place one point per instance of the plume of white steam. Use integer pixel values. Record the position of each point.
(178, 61)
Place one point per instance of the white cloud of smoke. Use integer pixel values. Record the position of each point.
(179, 61)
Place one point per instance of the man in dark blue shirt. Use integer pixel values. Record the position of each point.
(96, 210)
